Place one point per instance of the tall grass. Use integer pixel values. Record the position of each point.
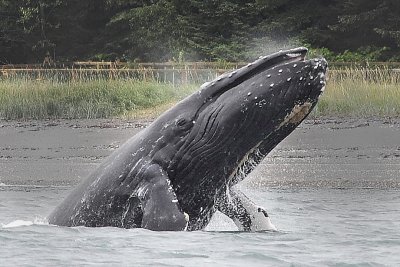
(361, 92)
(355, 92)
(32, 99)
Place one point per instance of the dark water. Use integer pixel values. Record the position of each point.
(332, 190)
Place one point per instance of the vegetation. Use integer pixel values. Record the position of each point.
(27, 99)
(228, 30)
(354, 92)
(207, 30)
(361, 93)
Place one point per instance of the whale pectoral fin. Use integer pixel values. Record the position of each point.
(245, 214)
(161, 211)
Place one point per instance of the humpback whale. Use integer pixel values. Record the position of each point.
(181, 169)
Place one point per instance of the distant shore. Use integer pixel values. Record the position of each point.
(353, 92)
(52, 153)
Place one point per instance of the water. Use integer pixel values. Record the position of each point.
(333, 193)
(332, 227)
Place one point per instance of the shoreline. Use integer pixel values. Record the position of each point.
(143, 122)
(327, 152)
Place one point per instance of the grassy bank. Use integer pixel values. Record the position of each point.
(356, 92)
(27, 99)
(361, 93)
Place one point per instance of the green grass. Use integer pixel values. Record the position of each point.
(351, 92)
(361, 93)
(27, 99)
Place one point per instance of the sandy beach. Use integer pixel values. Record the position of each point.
(330, 152)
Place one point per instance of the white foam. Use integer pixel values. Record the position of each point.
(18, 223)
(21, 223)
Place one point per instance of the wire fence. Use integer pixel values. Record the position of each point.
(175, 73)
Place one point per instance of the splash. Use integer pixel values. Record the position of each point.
(267, 45)
(22, 223)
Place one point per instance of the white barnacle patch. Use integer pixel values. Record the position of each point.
(165, 126)
(289, 79)
(298, 113)
(262, 103)
(280, 71)
(271, 85)
(269, 76)
(249, 94)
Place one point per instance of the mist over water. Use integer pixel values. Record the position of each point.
(268, 45)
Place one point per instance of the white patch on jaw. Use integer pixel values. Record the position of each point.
(298, 113)
(293, 54)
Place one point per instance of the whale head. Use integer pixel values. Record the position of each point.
(220, 133)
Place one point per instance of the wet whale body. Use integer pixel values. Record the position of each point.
(181, 169)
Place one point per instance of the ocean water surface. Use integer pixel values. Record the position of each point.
(332, 189)
(317, 227)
